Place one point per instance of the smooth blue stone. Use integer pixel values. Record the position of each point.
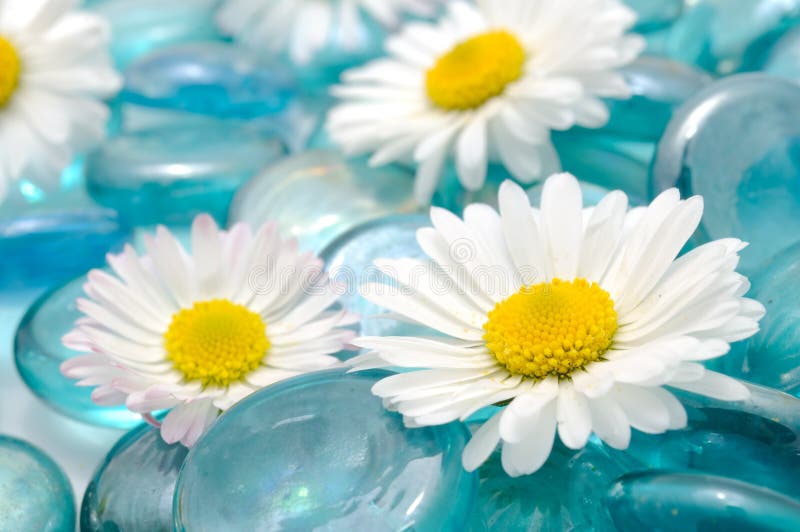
(610, 161)
(737, 143)
(132, 489)
(34, 493)
(170, 175)
(655, 13)
(783, 58)
(670, 501)
(772, 356)
(320, 452)
(563, 495)
(211, 78)
(658, 86)
(349, 260)
(755, 441)
(38, 354)
(142, 26)
(319, 195)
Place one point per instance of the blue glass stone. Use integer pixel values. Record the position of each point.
(658, 86)
(320, 452)
(38, 353)
(655, 14)
(170, 175)
(772, 356)
(783, 58)
(211, 78)
(319, 195)
(349, 260)
(691, 501)
(34, 493)
(132, 489)
(562, 495)
(755, 441)
(610, 161)
(737, 143)
(142, 26)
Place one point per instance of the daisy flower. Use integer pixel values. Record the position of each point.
(574, 319)
(197, 333)
(302, 28)
(487, 83)
(54, 70)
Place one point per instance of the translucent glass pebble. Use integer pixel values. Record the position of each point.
(563, 495)
(658, 86)
(737, 143)
(319, 195)
(171, 174)
(38, 353)
(350, 260)
(34, 493)
(755, 441)
(141, 26)
(653, 14)
(211, 78)
(320, 452)
(132, 489)
(690, 501)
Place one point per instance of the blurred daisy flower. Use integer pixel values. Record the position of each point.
(54, 71)
(575, 319)
(302, 28)
(194, 334)
(487, 83)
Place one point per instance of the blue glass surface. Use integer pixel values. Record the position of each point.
(772, 356)
(737, 143)
(38, 353)
(212, 78)
(563, 495)
(755, 441)
(783, 58)
(658, 86)
(321, 452)
(654, 14)
(318, 195)
(142, 26)
(171, 174)
(690, 501)
(34, 493)
(132, 489)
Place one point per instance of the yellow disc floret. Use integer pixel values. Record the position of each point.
(476, 70)
(9, 70)
(551, 329)
(216, 342)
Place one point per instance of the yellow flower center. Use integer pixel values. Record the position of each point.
(551, 328)
(216, 342)
(476, 70)
(9, 70)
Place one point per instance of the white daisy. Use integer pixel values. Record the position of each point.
(576, 317)
(302, 28)
(197, 333)
(487, 83)
(54, 70)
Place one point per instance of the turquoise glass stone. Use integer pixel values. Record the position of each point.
(319, 195)
(211, 78)
(38, 353)
(320, 452)
(737, 143)
(755, 441)
(349, 260)
(562, 495)
(132, 489)
(171, 174)
(658, 86)
(655, 14)
(142, 26)
(783, 58)
(772, 356)
(34, 493)
(691, 501)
